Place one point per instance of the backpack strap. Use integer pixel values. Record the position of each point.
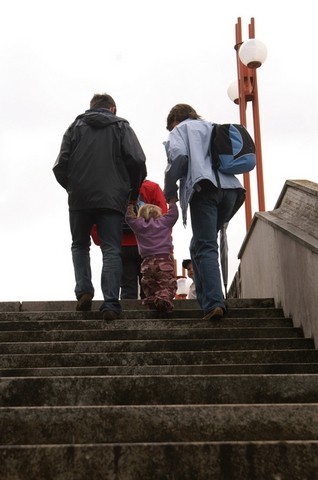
(214, 155)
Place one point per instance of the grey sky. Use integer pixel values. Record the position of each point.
(148, 56)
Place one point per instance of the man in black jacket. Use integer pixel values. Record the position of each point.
(101, 165)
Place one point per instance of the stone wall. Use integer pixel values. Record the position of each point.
(279, 256)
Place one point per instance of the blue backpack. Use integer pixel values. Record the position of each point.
(232, 149)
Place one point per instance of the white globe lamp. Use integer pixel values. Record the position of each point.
(253, 53)
(233, 91)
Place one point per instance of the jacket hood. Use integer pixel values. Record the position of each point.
(99, 118)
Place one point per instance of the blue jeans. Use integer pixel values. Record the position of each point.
(109, 228)
(210, 209)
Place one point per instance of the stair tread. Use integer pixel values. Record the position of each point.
(164, 389)
(84, 398)
(272, 369)
(148, 335)
(287, 460)
(133, 424)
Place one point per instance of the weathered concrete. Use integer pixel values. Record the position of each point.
(279, 257)
(274, 356)
(130, 305)
(34, 323)
(165, 345)
(148, 334)
(164, 423)
(180, 398)
(158, 390)
(151, 370)
(138, 314)
(286, 460)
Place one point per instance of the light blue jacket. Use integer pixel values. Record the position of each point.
(189, 161)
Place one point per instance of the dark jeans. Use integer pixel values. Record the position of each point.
(131, 276)
(210, 209)
(109, 228)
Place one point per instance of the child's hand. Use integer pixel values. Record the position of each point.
(131, 210)
(173, 200)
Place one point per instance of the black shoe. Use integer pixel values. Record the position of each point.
(84, 303)
(110, 315)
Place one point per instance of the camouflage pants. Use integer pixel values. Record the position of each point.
(158, 280)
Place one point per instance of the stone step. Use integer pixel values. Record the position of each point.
(95, 346)
(271, 460)
(158, 424)
(139, 314)
(126, 359)
(69, 306)
(158, 390)
(161, 334)
(235, 369)
(17, 324)
(148, 398)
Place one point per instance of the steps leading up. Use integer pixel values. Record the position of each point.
(147, 398)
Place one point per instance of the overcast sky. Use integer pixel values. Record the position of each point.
(55, 55)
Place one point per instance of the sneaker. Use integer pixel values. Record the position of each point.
(215, 314)
(110, 315)
(84, 303)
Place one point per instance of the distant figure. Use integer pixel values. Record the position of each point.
(187, 265)
(181, 293)
(189, 161)
(101, 165)
(153, 232)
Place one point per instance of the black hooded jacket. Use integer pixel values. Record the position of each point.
(101, 163)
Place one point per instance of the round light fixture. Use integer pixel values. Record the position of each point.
(233, 91)
(253, 53)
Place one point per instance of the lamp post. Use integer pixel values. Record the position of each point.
(249, 56)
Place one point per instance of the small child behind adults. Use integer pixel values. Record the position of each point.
(153, 233)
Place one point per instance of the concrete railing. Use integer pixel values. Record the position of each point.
(279, 256)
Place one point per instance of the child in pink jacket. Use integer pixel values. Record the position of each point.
(153, 232)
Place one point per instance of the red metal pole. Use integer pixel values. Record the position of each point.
(257, 132)
(242, 107)
(248, 91)
(258, 148)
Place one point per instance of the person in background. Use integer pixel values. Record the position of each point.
(153, 232)
(181, 293)
(187, 265)
(189, 160)
(101, 165)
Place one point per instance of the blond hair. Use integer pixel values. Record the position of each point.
(148, 211)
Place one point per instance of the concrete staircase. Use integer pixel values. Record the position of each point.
(144, 398)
